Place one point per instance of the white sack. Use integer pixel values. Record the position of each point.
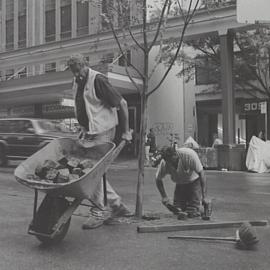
(190, 142)
(258, 155)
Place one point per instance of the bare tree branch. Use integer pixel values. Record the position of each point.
(258, 89)
(159, 56)
(181, 9)
(159, 25)
(134, 39)
(177, 51)
(248, 65)
(144, 27)
(122, 51)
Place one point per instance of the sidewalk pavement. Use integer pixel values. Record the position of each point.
(236, 195)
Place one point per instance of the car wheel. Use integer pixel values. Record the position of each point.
(3, 158)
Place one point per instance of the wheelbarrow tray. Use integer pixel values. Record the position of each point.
(102, 154)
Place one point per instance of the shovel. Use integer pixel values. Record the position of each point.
(245, 237)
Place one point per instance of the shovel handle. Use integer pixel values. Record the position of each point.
(231, 239)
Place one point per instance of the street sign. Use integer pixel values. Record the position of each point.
(263, 107)
(68, 102)
(251, 11)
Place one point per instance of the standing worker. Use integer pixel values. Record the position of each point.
(186, 171)
(96, 102)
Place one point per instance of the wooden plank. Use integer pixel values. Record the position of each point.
(197, 226)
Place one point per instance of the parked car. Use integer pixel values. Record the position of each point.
(22, 137)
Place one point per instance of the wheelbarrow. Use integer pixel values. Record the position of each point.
(52, 218)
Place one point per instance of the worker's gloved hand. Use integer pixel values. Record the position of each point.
(82, 133)
(206, 201)
(166, 201)
(127, 135)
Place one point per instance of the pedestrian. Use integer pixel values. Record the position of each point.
(147, 151)
(96, 103)
(216, 140)
(151, 137)
(261, 135)
(186, 171)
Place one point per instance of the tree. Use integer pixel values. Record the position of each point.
(116, 15)
(251, 60)
(251, 57)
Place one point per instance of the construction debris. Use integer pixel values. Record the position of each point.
(64, 170)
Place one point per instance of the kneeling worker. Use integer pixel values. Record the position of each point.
(186, 171)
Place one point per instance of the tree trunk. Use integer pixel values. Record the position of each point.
(141, 159)
(143, 127)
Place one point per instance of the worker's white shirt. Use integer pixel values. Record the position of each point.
(188, 168)
(101, 117)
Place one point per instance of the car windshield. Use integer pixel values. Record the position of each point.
(52, 126)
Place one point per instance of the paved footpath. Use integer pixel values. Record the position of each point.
(236, 195)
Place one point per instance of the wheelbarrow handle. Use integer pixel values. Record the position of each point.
(118, 149)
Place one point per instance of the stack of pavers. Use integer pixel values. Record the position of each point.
(62, 171)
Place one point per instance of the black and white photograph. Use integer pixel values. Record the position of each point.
(134, 134)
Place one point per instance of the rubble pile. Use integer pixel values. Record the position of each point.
(62, 171)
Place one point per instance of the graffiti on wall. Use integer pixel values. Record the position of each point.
(163, 128)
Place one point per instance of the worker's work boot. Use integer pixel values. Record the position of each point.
(96, 218)
(182, 215)
(121, 211)
(192, 212)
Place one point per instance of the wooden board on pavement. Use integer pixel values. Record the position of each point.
(197, 226)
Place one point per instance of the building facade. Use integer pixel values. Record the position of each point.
(37, 37)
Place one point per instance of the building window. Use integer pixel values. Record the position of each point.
(65, 19)
(9, 9)
(206, 72)
(107, 58)
(50, 20)
(22, 24)
(82, 18)
(123, 61)
(10, 35)
(50, 67)
(9, 74)
(22, 73)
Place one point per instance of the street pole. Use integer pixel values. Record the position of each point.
(266, 120)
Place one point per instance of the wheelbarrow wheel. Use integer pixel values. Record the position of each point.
(48, 214)
(58, 238)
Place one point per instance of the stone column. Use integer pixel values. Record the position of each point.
(3, 27)
(94, 18)
(228, 101)
(40, 22)
(16, 24)
(30, 23)
(57, 20)
(74, 18)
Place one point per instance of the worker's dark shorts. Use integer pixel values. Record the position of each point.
(188, 196)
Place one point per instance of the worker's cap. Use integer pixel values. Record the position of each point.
(167, 152)
(76, 59)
